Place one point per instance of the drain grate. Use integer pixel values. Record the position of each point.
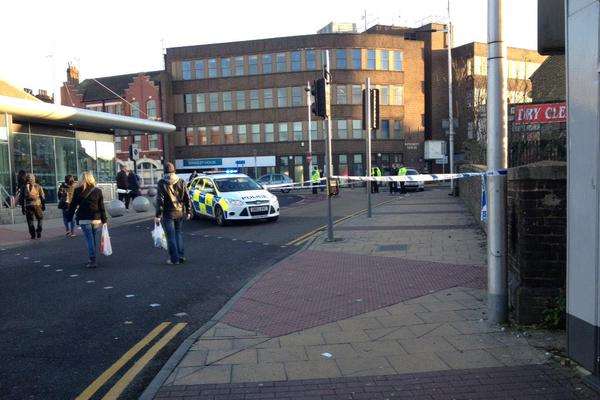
(392, 247)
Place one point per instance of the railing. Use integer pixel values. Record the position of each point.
(7, 201)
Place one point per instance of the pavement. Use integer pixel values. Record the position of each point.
(394, 308)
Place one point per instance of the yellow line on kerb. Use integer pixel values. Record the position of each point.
(106, 375)
(307, 235)
(122, 383)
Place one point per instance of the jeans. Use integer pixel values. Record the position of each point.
(69, 223)
(174, 232)
(32, 212)
(92, 238)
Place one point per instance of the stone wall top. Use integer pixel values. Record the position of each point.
(546, 170)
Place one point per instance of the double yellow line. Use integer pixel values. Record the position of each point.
(301, 239)
(130, 375)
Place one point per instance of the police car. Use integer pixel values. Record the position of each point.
(231, 197)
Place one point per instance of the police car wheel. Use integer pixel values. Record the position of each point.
(273, 219)
(220, 217)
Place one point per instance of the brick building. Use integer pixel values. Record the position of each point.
(136, 95)
(247, 99)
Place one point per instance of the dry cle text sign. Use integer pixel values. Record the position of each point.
(540, 113)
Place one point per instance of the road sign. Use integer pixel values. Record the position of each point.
(134, 152)
(442, 161)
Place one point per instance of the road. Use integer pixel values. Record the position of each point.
(62, 325)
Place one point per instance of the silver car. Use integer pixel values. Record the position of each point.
(275, 179)
(417, 186)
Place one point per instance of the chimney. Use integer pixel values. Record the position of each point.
(72, 75)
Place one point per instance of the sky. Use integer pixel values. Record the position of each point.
(123, 36)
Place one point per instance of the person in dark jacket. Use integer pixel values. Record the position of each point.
(33, 205)
(65, 196)
(123, 185)
(133, 183)
(173, 206)
(393, 184)
(88, 207)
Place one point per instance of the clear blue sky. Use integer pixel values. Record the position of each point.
(121, 36)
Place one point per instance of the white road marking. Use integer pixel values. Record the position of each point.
(107, 287)
(129, 295)
(36, 261)
(90, 281)
(58, 270)
(73, 276)
(154, 305)
(25, 258)
(180, 314)
(46, 265)
(128, 322)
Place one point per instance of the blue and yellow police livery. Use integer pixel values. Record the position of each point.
(232, 197)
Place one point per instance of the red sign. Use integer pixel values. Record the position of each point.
(540, 113)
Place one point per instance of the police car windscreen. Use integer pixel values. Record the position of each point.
(236, 184)
(412, 172)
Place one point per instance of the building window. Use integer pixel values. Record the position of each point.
(356, 94)
(199, 69)
(283, 132)
(200, 102)
(399, 95)
(240, 100)
(252, 65)
(342, 129)
(296, 61)
(225, 67)
(135, 106)
(269, 133)
(340, 59)
(213, 101)
(239, 66)
(297, 96)
(255, 133)
(371, 59)
(202, 136)
(268, 98)
(343, 165)
(212, 68)
(341, 95)
(151, 109)
(153, 141)
(190, 136)
(241, 132)
(357, 132)
(118, 144)
(357, 160)
(397, 61)
(311, 62)
(282, 97)
(215, 135)
(385, 129)
(280, 61)
(228, 133)
(227, 103)
(385, 60)
(267, 63)
(254, 104)
(356, 58)
(297, 128)
(385, 95)
(186, 70)
(313, 130)
(398, 133)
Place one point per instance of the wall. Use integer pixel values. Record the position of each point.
(470, 191)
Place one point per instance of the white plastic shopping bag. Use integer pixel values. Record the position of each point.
(105, 246)
(159, 236)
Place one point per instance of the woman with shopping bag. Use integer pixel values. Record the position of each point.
(88, 207)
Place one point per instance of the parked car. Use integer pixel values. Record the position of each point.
(276, 179)
(417, 186)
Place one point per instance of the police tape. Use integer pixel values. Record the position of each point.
(297, 185)
(419, 178)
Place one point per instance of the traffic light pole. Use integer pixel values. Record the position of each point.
(368, 117)
(329, 172)
(310, 162)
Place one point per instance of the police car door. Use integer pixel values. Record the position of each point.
(195, 189)
(208, 196)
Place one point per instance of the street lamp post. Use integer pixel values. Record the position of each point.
(450, 110)
(308, 104)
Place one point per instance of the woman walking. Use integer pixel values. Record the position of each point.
(65, 197)
(88, 207)
(33, 205)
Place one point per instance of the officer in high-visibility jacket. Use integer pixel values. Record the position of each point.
(375, 171)
(402, 172)
(315, 178)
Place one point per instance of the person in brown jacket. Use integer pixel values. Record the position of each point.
(33, 205)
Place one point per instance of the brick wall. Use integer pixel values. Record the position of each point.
(536, 223)
(470, 191)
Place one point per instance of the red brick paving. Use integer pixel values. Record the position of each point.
(530, 382)
(315, 287)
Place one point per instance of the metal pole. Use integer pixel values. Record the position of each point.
(496, 159)
(329, 171)
(308, 102)
(368, 140)
(450, 110)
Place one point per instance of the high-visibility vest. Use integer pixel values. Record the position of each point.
(316, 176)
(402, 171)
(377, 171)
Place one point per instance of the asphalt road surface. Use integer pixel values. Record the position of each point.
(62, 326)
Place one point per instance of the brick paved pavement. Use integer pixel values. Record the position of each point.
(341, 321)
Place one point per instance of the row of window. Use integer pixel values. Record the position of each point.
(292, 61)
(117, 108)
(287, 131)
(282, 97)
(517, 69)
(122, 142)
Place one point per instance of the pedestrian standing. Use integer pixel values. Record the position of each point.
(33, 205)
(393, 184)
(173, 206)
(123, 185)
(402, 171)
(65, 197)
(193, 176)
(88, 207)
(315, 179)
(133, 184)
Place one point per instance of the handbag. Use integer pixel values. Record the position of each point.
(105, 245)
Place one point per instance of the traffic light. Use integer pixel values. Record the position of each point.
(374, 109)
(319, 92)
